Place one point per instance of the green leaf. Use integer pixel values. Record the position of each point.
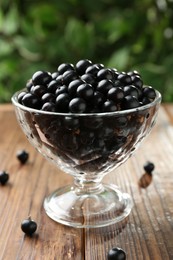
(6, 47)
(119, 59)
(79, 37)
(28, 48)
(1, 19)
(11, 22)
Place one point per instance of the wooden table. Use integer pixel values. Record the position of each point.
(148, 234)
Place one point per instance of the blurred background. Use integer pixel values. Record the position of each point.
(39, 35)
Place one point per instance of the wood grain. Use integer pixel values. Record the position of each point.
(146, 235)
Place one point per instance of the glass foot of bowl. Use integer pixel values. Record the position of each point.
(70, 207)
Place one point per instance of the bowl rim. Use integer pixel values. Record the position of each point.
(15, 102)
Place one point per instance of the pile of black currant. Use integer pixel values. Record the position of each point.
(85, 87)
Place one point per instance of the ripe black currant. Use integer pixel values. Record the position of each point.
(93, 69)
(131, 90)
(64, 67)
(82, 65)
(72, 87)
(22, 156)
(125, 78)
(85, 91)
(28, 226)
(49, 106)
(41, 78)
(149, 167)
(77, 105)
(4, 177)
(104, 74)
(116, 94)
(62, 102)
(130, 102)
(68, 76)
(109, 106)
(31, 100)
(38, 90)
(149, 92)
(104, 86)
(116, 253)
(88, 78)
(48, 97)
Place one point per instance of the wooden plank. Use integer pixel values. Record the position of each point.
(149, 231)
(23, 196)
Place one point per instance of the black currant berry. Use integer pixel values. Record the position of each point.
(72, 87)
(38, 90)
(49, 106)
(130, 102)
(48, 97)
(100, 66)
(52, 86)
(93, 69)
(31, 100)
(118, 84)
(137, 81)
(104, 74)
(104, 86)
(149, 167)
(88, 78)
(77, 105)
(22, 156)
(109, 106)
(64, 67)
(149, 92)
(116, 94)
(21, 95)
(59, 79)
(85, 91)
(69, 76)
(116, 253)
(98, 98)
(4, 177)
(62, 102)
(29, 84)
(145, 101)
(115, 73)
(82, 65)
(124, 78)
(61, 89)
(41, 78)
(28, 226)
(131, 90)
(55, 74)
(133, 73)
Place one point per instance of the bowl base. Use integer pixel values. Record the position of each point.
(101, 209)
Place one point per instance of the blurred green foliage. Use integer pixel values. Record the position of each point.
(39, 35)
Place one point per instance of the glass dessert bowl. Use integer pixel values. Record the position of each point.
(87, 146)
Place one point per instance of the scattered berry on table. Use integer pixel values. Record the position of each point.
(149, 167)
(28, 226)
(22, 156)
(116, 253)
(4, 177)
